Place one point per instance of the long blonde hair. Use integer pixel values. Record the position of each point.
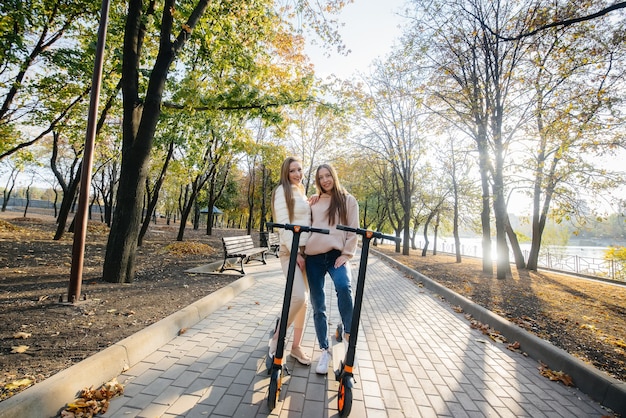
(337, 196)
(286, 184)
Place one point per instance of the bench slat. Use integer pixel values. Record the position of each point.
(241, 247)
(273, 243)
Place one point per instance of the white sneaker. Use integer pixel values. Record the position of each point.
(273, 345)
(322, 363)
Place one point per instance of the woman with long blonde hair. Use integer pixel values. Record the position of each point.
(290, 206)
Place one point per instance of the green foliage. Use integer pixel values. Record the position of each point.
(618, 256)
(37, 62)
(616, 253)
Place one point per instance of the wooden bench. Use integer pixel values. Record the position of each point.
(243, 248)
(273, 243)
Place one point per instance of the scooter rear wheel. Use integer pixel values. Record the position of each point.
(274, 390)
(344, 399)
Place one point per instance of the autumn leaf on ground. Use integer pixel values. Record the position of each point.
(457, 309)
(22, 335)
(11, 388)
(93, 402)
(545, 371)
(180, 248)
(19, 384)
(487, 330)
(19, 349)
(514, 347)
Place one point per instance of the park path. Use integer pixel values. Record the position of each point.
(416, 358)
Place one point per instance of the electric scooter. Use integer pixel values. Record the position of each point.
(345, 374)
(275, 366)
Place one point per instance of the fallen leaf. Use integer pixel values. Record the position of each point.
(19, 384)
(19, 349)
(22, 334)
(559, 376)
(514, 346)
(93, 401)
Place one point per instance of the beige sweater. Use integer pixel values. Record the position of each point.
(343, 241)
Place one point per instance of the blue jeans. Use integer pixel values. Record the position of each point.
(316, 268)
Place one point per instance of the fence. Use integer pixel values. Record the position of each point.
(586, 266)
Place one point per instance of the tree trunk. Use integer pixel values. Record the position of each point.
(485, 218)
(196, 185)
(66, 205)
(56, 201)
(196, 215)
(426, 242)
(539, 223)
(119, 261)
(455, 220)
(27, 200)
(517, 251)
(216, 188)
(503, 266)
(155, 194)
(8, 189)
(436, 232)
(140, 117)
(265, 191)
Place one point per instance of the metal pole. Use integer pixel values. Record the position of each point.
(80, 226)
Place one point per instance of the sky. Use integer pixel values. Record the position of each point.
(369, 31)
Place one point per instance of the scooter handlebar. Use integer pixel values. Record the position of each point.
(368, 233)
(301, 228)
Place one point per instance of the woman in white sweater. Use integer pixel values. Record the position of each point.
(290, 206)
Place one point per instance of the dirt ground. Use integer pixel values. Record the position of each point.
(35, 275)
(586, 318)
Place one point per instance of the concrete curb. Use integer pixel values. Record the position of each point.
(48, 398)
(607, 391)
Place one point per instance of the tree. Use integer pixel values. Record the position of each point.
(477, 71)
(313, 134)
(230, 39)
(394, 119)
(31, 38)
(456, 163)
(14, 169)
(577, 78)
(569, 14)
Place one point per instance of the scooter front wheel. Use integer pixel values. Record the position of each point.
(275, 383)
(344, 398)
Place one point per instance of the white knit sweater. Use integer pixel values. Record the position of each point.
(302, 216)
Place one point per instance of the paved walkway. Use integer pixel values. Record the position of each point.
(416, 358)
